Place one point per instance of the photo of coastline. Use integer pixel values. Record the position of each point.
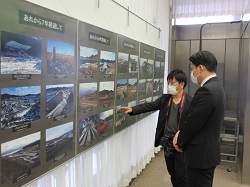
(59, 140)
(20, 54)
(60, 58)
(88, 60)
(20, 156)
(20, 105)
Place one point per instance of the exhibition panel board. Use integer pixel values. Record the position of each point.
(96, 85)
(62, 83)
(37, 87)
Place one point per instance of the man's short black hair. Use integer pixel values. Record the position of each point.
(205, 58)
(179, 75)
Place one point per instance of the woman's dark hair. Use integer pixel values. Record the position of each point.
(179, 75)
(206, 59)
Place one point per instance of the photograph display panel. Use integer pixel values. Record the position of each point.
(128, 56)
(38, 66)
(159, 66)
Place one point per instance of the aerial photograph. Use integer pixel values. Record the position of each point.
(88, 61)
(122, 89)
(20, 54)
(59, 100)
(122, 65)
(88, 95)
(60, 58)
(132, 88)
(107, 62)
(106, 93)
(20, 105)
(59, 140)
(88, 130)
(133, 64)
(106, 122)
(120, 117)
(20, 156)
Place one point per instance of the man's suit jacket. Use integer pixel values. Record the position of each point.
(160, 104)
(200, 134)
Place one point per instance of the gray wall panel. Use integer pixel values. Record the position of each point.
(231, 74)
(182, 56)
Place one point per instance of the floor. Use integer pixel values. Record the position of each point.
(155, 175)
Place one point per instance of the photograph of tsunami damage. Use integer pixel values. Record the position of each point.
(122, 89)
(146, 68)
(133, 64)
(120, 117)
(142, 87)
(19, 157)
(88, 130)
(20, 54)
(107, 62)
(88, 96)
(59, 100)
(149, 86)
(60, 58)
(132, 88)
(122, 65)
(88, 61)
(59, 140)
(106, 122)
(106, 93)
(157, 69)
(20, 105)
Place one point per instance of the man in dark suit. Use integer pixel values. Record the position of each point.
(173, 107)
(199, 136)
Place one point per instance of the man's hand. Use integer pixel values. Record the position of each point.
(125, 109)
(175, 142)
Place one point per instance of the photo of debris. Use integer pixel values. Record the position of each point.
(59, 100)
(19, 105)
(20, 54)
(156, 85)
(20, 156)
(122, 65)
(88, 61)
(88, 95)
(106, 93)
(162, 69)
(132, 88)
(60, 58)
(120, 117)
(133, 64)
(106, 123)
(149, 87)
(59, 140)
(157, 69)
(122, 89)
(142, 87)
(107, 62)
(88, 130)
(146, 68)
